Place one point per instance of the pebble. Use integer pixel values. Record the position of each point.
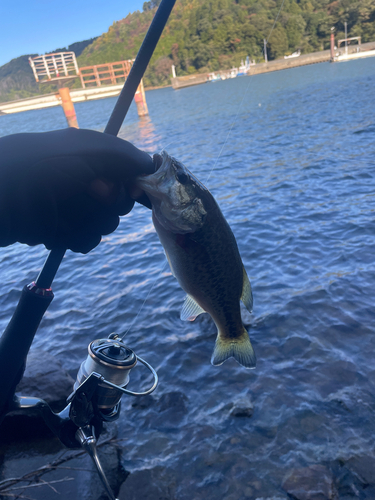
(242, 408)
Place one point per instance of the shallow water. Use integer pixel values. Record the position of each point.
(290, 158)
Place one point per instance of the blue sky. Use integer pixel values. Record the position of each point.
(39, 26)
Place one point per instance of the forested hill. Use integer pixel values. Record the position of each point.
(207, 35)
(17, 79)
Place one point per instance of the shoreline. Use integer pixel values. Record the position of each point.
(275, 65)
(80, 95)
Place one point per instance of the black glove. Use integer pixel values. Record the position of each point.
(66, 188)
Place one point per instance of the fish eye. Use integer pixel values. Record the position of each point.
(181, 177)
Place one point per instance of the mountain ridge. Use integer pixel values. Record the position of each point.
(208, 35)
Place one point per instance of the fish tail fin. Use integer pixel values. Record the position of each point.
(239, 348)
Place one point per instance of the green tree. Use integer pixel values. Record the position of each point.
(278, 43)
(295, 28)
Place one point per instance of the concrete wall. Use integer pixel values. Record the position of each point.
(313, 58)
(50, 100)
(187, 81)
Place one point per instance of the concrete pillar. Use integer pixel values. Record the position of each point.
(332, 46)
(346, 38)
(68, 107)
(140, 100)
(265, 50)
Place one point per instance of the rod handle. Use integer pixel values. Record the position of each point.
(18, 336)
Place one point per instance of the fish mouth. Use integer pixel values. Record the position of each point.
(171, 190)
(162, 162)
(150, 182)
(165, 163)
(158, 160)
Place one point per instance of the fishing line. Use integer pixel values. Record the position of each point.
(144, 302)
(209, 175)
(275, 22)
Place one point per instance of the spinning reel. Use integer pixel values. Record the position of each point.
(101, 381)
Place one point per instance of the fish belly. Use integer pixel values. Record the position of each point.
(209, 269)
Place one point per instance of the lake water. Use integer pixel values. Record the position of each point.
(290, 157)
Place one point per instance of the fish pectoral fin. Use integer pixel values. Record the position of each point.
(247, 294)
(239, 348)
(191, 309)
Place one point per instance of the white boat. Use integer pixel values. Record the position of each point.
(214, 77)
(295, 54)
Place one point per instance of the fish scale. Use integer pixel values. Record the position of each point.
(203, 255)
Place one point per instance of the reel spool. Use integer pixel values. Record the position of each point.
(112, 360)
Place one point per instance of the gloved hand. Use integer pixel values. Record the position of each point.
(66, 188)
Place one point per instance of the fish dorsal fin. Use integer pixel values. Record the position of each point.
(247, 294)
(191, 309)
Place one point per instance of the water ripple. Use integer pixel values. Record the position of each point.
(296, 182)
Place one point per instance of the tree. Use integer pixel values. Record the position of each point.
(151, 5)
(278, 43)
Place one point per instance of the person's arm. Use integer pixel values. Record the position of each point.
(66, 188)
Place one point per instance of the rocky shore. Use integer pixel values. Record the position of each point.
(35, 465)
(33, 462)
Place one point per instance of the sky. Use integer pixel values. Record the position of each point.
(39, 26)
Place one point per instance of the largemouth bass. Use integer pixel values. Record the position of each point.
(203, 255)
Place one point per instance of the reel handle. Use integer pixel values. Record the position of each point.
(86, 437)
(132, 393)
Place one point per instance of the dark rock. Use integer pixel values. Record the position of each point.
(143, 402)
(75, 478)
(310, 483)
(347, 485)
(369, 493)
(173, 400)
(242, 408)
(149, 484)
(110, 458)
(335, 376)
(241, 412)
(364, 468)
(170, 411)
(45, 378)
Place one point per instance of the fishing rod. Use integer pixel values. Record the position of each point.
(119, 112)
(104, 375)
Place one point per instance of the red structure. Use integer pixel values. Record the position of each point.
(56, 68)
(113, 74)
(332, 46)
(105, 74)
(62, 66)
(140, 100)
(68, 107)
